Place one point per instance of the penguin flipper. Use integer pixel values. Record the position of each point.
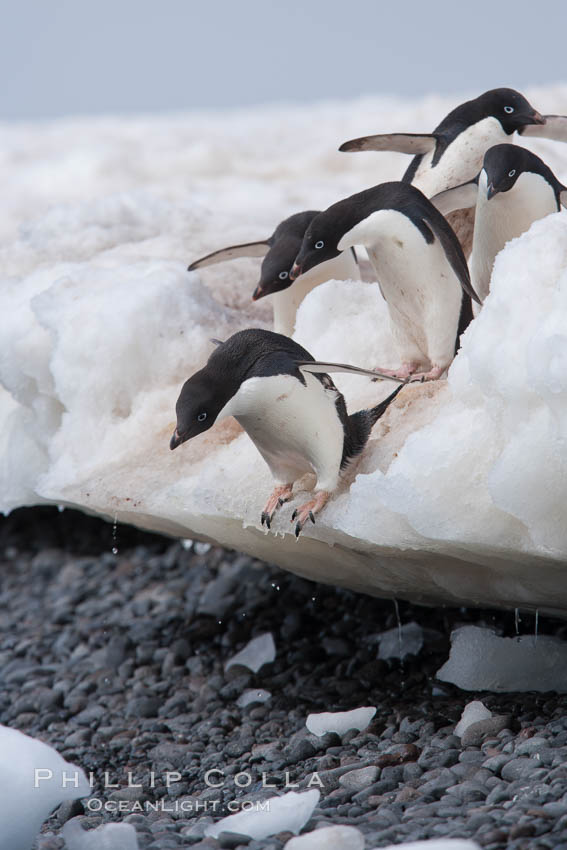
(555, 128)
(412, 143)
(319, 367)
(248, 249)
(453, 251)
(459, 198)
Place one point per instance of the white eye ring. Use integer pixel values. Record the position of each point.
(201, 417)
(283, 275)
(319, 244)
(511, 173)
(508, 109)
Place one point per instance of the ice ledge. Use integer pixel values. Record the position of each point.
(459, 497)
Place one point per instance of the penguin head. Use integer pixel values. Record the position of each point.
(504, 164)
(510, 108)
(200, 402)
(276, 267)
(319, 243)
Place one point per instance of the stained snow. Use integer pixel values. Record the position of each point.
(459, 496)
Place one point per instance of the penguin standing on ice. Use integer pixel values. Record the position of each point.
(514, 189)
(418, 261)
(453, 152)
(289, 407)
(279, 252)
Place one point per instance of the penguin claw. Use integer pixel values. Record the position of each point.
(294, 514)
(308, 511)
(311, 517)
(279, 497)
(297, 530)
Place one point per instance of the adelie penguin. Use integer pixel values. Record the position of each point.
(279, 252)
(514, 189)
(418, 261)
(289, 407)
(453, 152)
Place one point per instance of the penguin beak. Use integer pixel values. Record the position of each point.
(295, 272)
(258, 293)
(537, 118)
(175, 440)
(491, 191)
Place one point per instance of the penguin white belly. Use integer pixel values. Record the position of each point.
(422, 291)
(504, 217)
(461, 160)
(295, 428)
(286, 303)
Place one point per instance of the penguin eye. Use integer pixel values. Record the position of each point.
(283, 275)
(508, 109)
(201, 417)
(319, 244)
(511, 173)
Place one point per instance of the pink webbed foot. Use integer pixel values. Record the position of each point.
(308, 510)
(404, 373)
(433, 375)
(280, 496)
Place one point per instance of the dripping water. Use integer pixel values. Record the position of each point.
(400, 639)
(114, 532)
(517, 620)
(536, 626)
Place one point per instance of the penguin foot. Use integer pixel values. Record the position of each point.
(308, 511)
(280, 495)
(433, 375)
(404, 373)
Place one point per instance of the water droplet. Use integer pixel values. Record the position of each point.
(114, 531)
(202, 548)
(517, 620)
(114, 550)
(60, 508)
(187, 543)
(536, 626)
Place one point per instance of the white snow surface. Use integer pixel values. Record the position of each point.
(335, 837)
(473, 712)
(257, 652)
(458, 497)
(340, 721)
(108, 836)
(482, 661)
(34, 780)
(287, 813)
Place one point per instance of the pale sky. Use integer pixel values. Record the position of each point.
(76, 57)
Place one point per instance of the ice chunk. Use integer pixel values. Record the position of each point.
(288, 813)
(340, 721)
(481, 661)
(257, 652)
(252, 695)
(473, 712)
(401, 641)
(34, 779)
(335, 837)
(109, 836)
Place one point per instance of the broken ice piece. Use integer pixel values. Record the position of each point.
(336, 837)
(109, 836)
(252, 695)
(34, 779)
(257, 652)
(401, 641)
(340, 721)
(436, 844)
(482, 661)
(288, 813)
(472, 713)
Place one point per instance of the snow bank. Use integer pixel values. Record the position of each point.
(482, 661)
(459, 496)
(108, 836)
(34, 780)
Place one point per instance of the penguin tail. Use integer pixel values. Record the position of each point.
(360, 424)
